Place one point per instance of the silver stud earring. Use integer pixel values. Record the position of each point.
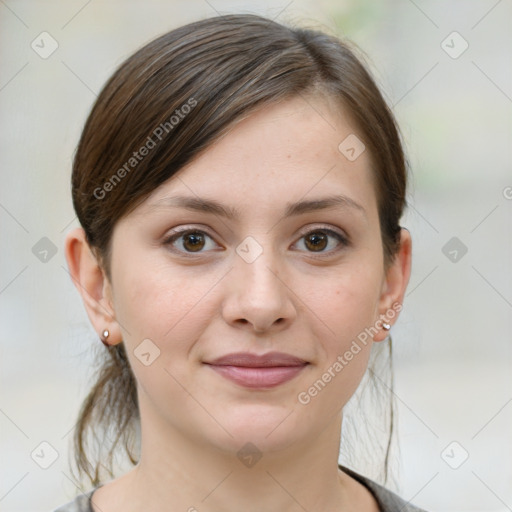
(386, 326)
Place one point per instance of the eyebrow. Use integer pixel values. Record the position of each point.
(297, 208)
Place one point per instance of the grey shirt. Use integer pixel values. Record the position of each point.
(387, 500)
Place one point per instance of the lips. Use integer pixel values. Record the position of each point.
(258, 371)
(249, 360)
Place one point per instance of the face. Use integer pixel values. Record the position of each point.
(273, 246)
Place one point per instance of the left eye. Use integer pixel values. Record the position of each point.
(322, 240)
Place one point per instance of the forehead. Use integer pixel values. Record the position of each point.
(282, 152)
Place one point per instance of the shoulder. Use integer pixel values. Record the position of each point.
(388, 501)
(81, 503)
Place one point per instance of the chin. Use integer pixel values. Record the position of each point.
(269, 428)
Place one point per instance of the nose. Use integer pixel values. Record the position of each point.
(258, 298)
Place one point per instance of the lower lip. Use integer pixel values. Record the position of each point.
(258, 377)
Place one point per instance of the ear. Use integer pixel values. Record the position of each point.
(93, 285)
(394, 285)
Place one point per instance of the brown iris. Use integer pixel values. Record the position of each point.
(193, 242)
(316, 241)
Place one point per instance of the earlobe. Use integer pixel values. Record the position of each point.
(395, 285)
(91, 282)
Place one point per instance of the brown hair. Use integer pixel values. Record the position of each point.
(175, 97)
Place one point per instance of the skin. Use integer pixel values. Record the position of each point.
(196, 306)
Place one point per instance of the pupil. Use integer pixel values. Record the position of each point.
(194, 242)
(318, 241)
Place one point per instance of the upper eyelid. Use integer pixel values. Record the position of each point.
(184, 231)
(302, 232)
(324, 227)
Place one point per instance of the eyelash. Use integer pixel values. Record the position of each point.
(343, 240)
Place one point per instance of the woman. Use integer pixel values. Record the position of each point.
(239, 185)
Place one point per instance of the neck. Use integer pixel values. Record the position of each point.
(176, 472)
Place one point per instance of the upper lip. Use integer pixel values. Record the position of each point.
(246, 359)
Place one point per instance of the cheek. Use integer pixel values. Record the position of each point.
(346, 306)
(346, 302)
(158, 303)
(170, 306)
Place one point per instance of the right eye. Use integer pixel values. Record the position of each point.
(190, 241)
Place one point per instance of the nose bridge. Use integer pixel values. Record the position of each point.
(260, 278)
(259, 295)
(257, 269)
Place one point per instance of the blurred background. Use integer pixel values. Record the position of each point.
(445, 69)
